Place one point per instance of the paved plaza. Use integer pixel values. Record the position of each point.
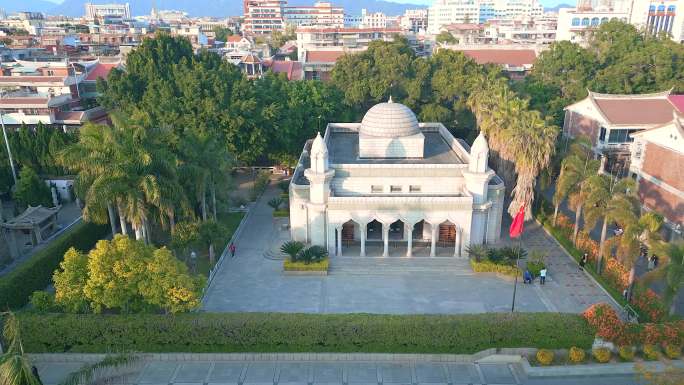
(328, 372)
(250, 282)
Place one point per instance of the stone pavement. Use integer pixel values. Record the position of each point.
(252, 283)
(332, 371)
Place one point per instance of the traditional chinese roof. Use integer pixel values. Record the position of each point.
(293, 69)
(101, 70)
(677, 101)
(31, 217)
(644, 109)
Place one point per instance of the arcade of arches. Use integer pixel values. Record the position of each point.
(399, 238)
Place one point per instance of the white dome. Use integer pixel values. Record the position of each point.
(389, 120)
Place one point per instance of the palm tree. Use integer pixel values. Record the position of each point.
(100, 372)
(566, 181)
(638, 230)
(670, 271)
(292, 248)
(609, 199)
(15, 366)
(575, 170)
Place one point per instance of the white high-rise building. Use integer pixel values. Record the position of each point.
(445, 12)
(263, 16)
(659, 16)
(373, 19)
(322, 14)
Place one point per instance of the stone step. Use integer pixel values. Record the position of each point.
(394, 266)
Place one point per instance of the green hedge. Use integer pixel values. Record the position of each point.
(491, 267)
(323, 265)
(282, 332)
(281, 213)
(36, 272)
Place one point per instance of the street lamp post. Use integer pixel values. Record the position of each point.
(9, 151)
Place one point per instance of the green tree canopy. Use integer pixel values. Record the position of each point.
(31, 190)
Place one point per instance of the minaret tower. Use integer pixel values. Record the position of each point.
(477, 179)
(319, 176)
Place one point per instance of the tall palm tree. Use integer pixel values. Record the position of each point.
(638, 230)
(580, 150)
(670, 271)
(610, 199)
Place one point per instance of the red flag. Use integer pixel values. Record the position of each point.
(518, 222)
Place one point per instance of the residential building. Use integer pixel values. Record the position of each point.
(393, 180)
(314, 39)
(657, 162)
(575, 24)
(414, 20)
(294, 70)
(610, 121)
(373, 19)
(318, 64)
(540, 30)
(445, 12)
(465, 33)
(263, 16)
(107, 11)
(352, 21)
(322, 14)
(238, 43)
(50, 92)
(517, 62)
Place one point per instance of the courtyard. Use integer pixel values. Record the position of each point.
(251, 282)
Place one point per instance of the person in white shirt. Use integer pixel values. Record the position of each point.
(542, 276)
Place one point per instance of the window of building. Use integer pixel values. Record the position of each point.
(604, 20)
(661, 8)
(395, 189)
(671, 8)
(595, 21)
(585, 21)
(376, 189)
(602, 134)
(414, 189)
(575, 22)
(620, 136)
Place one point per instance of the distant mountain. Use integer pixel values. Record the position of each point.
(26, 5)
(192, 7)
(555, 9)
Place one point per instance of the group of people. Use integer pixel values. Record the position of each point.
(528, 277)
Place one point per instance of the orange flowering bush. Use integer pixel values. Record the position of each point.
(651, 334)
(649, 305)
(603, 318)
(616, 274)
(588, 245)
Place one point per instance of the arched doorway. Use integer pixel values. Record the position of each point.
(374, 230)
(351, 237)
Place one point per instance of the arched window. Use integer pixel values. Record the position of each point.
(671, 8)
(652, 8)
(604, 20)
(595, 21)
(661, 8)
(575, 22)
(585, 21)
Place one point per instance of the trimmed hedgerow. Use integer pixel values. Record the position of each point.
(275, 332)
(36, 272)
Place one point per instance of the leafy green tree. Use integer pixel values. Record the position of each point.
(639, 230)
(31, 190)
(212, 234)
(185, 237)
(222, 33)
(446, 37)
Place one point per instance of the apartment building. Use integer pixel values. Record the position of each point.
(576, 24)
(107, 11)
(263, 16)
(373, 19)
(316, 39)
(446, 12)
(322, 14)
(414, 20)
(527, 30)
(659, 16)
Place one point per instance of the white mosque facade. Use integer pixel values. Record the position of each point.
(390, 186)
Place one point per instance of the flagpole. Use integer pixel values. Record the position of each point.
(515, 282)
(516, 231)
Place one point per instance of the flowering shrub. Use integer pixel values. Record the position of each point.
(576, 355)
(544, 356)
(626, 353)
(565, 224)
(601, 355)
(588, 245)
(616, 274)
(603, 318)
(650, 352)
(652, 334)
(649, 305)
(673, 351)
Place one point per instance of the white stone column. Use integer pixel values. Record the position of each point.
(364, 228)
(457, 243)
(385, 240)
(339, 241)
(433, 240)
(409, 231)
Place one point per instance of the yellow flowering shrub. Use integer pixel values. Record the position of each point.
(544, 356)
(601, 355)
(576, 355)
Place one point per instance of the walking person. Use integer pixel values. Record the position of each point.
(527, 277)
(542, 276)
(583, 261)
(232, 250)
